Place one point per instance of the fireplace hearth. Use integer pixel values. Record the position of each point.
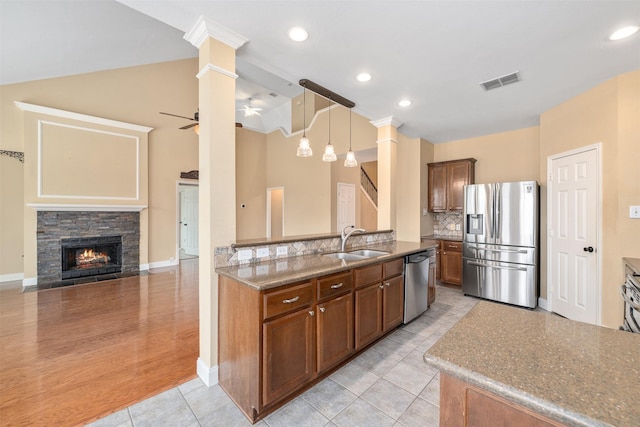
(91, 256)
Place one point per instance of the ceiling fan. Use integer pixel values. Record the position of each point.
(249, 110)
(195, 119)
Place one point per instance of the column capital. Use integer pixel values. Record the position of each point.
(386, 121)
(205, 28)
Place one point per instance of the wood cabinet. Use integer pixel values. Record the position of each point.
(451, 262)
(446, 182)
(462, 404)
(274, 343)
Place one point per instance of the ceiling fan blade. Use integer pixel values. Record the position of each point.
(188, 126)
(175, 115)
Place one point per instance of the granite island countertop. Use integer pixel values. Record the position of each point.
(278, 272)
(573, 372)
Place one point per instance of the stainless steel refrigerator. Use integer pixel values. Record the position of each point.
(500, 245)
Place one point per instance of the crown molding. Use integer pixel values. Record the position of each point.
(386, 121)
(81, 117)
(205, 28)
(211, 67)
(41, 207)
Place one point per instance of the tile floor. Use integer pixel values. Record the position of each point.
(387, 385)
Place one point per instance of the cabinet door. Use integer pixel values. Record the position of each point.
(432, 284)
(439, 261)
(335, 331)
(452, 267)
(288, 354)
(437, 189)
(368, 315)
(393, 302)
(458, 175)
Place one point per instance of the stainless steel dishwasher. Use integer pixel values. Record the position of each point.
(416, 285)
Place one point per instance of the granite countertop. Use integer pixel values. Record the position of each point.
(456, 237)
(573, 372)
(278, 272)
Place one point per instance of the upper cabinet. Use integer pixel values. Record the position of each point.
(446, 183)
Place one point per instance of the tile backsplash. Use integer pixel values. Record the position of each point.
(448, 223)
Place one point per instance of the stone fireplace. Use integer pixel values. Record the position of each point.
(81, 245)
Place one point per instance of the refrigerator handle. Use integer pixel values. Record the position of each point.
(498, 214)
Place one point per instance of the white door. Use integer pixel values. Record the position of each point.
(573, 221)
(346, 206)
(275, 212)
(189, 219)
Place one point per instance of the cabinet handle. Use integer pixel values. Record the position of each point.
(387, 283)
(381, 287)
(322, 309)
(337, 285)
(311, 313)
(290, 300)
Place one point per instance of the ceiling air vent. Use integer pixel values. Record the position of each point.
(501, 81)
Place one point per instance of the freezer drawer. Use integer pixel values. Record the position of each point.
(513, 254)
(500, 281)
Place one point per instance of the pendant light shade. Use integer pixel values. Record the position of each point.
(329, 153)
(304, 149)
(350, 161)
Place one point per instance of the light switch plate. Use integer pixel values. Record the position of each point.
(634, 211)
(244, 254)
(262, 252)
(281, 250)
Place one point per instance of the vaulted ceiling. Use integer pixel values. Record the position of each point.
(433, 52)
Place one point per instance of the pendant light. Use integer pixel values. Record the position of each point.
(350, 161)
(329, 153)
(304, 149)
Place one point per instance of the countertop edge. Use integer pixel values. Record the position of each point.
(515, 395)
(327, 270)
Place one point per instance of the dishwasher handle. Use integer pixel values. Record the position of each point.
(416, 259)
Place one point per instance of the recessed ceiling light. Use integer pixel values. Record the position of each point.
(404, 103)
(298, 34)
(363, 77)
(624, 32)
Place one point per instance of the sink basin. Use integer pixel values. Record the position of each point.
(369, 253)
(345, 256)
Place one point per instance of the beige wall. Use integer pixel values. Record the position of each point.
(408, 189)
(132, 95)
(251, 187)
(607, 114)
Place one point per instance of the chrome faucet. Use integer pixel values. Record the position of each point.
(344, 235)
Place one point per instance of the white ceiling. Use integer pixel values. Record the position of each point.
(434, 52)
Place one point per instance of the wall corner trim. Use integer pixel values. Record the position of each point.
(386, 121)
(205, 27)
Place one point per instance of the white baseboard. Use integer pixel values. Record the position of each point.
(11, 277)
(542, 303)
(144, 267)
(160, 264)
(208, 375)
(29, 281)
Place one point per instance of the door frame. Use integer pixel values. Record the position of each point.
(268, 219)
(179, 182)
(598, 149)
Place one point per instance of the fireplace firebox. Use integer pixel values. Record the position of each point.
(91, 256)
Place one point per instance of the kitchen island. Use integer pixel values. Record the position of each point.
(504, 362)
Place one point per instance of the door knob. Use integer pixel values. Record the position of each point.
(588, 249)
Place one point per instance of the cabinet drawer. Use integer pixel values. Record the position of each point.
(392, 268)
(289, 299)
(451, 246)
(337, 284)
(367, 275)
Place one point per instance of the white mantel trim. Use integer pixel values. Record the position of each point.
(205, 28)
(81, 117)
(41, 207)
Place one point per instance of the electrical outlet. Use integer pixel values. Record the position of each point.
(424, 211)
(634, 211)
(458, 227)
(245, 254)
(281, 250)
(262, 252)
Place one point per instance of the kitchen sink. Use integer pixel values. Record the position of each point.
(369, 253)
(345, 256)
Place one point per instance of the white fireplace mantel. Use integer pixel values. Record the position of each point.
(85, 207)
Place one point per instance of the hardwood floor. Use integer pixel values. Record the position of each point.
(71, 355)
